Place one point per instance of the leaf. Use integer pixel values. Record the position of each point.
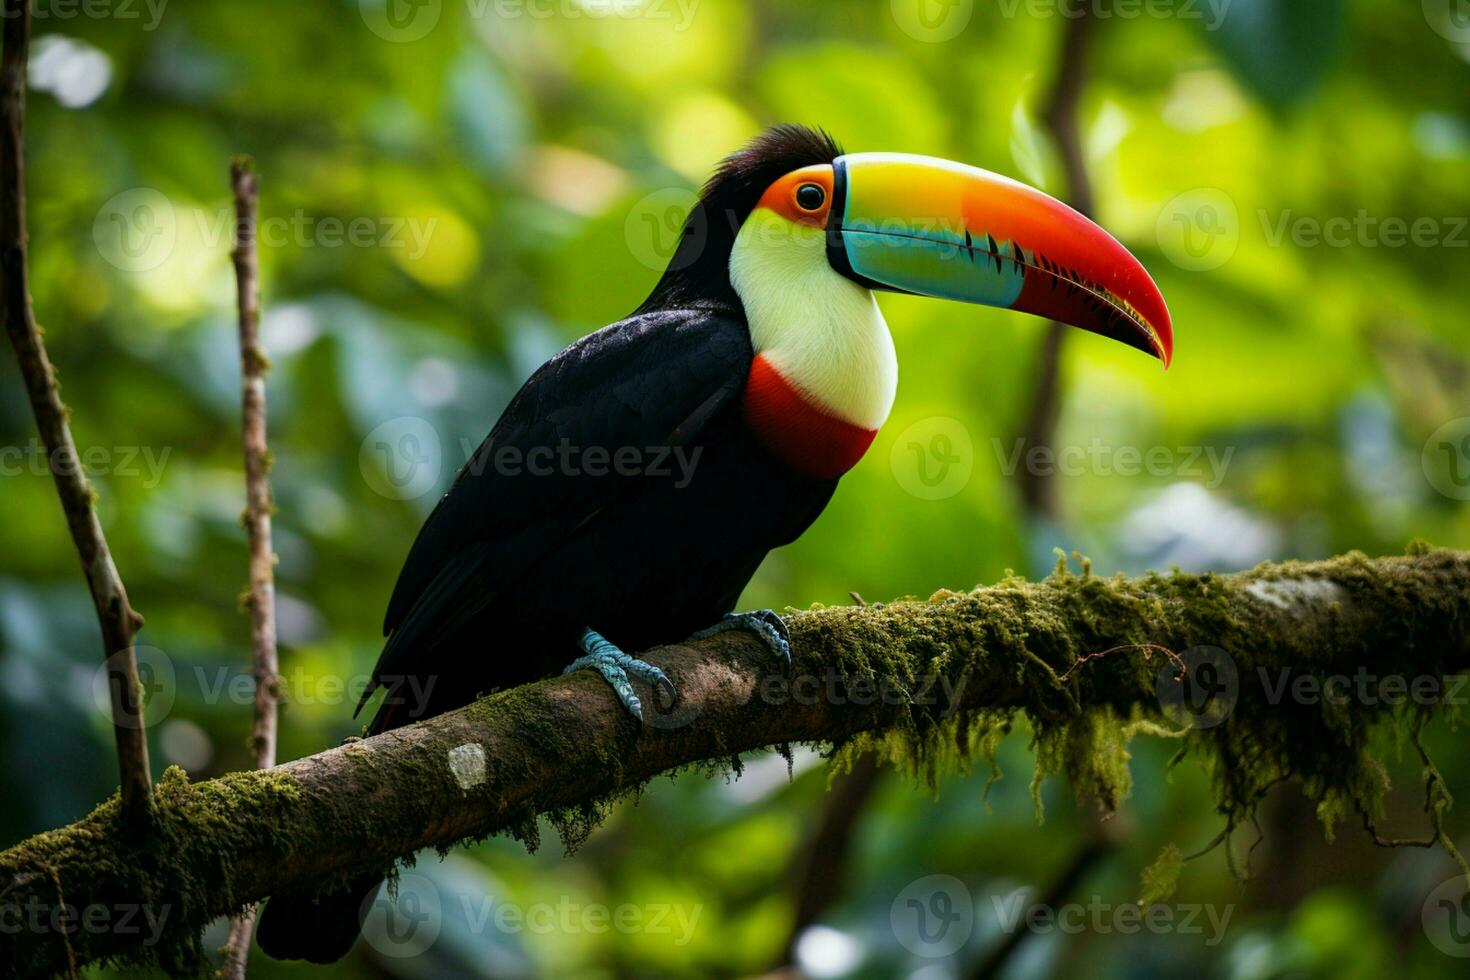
(1161, 877)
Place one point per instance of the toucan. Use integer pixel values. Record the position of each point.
(762, 364)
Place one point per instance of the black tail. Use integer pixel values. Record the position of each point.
(316, 927)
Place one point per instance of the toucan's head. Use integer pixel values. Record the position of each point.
(910, 224)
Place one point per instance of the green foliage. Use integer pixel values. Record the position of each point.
(525, 150)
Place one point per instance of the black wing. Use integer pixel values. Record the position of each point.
(651, 380)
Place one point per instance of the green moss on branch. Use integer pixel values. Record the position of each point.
(933, 684)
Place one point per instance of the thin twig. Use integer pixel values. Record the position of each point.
(117, 618)
(1147, 648)
(257, 517)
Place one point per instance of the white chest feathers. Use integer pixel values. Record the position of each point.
(821, 331)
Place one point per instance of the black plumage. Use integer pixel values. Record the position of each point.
(512, 565)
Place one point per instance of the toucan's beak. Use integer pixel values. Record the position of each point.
(927, 226)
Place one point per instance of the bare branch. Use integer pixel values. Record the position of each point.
(119, 622)
(257, 517)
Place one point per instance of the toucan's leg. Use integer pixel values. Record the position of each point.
(615, 666)
(764, 623)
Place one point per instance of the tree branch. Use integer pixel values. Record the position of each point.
(925, 681)
(257, 517)
(118, 620)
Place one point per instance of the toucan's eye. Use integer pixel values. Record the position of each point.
(810, 197)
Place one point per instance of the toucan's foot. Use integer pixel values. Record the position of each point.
(764, 623)
(615, 666)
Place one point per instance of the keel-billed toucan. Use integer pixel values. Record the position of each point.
(762, 359)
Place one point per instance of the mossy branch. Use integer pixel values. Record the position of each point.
(929, 683)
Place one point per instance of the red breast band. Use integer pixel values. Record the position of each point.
(811, 441)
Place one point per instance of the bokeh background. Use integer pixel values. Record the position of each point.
(455, 189)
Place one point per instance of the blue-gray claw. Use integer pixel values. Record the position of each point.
(764, 623)
(615, 666)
